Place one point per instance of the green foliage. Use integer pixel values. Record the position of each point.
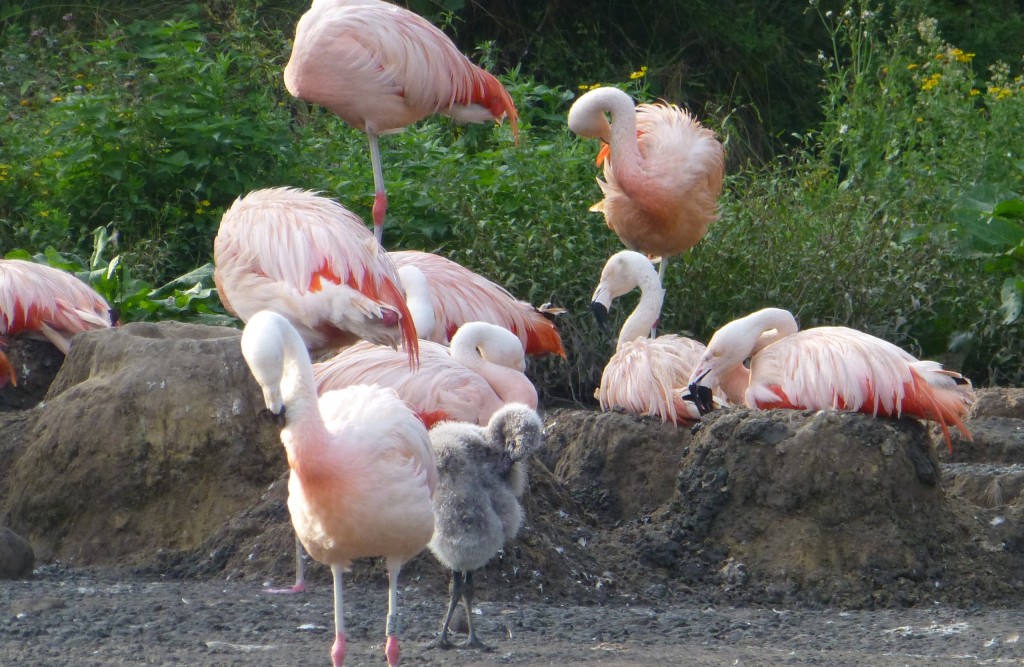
(148, 127)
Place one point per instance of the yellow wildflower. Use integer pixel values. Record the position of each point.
(919, 119)
(912, 66)
(25, 103)
(639, 74)
(974, 91)
(56, 98)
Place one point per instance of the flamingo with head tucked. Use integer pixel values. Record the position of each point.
(827, 367)
(43, 302)
(313, 261)
(645, 376)
(362, 469)
(443, 295)
(381, 67)
(663, 171)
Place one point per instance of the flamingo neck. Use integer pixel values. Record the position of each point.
(626, 159)
(772, 324)
(417, 298)
(734, 383)
(509, 384)
(647, 311)
(298, 388)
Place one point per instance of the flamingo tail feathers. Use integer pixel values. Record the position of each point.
(946, 403)
(543, 338)
(488, 92)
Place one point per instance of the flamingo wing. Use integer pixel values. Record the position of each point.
(459, 295)
(39, 299)
(381, 67)
(315, 262)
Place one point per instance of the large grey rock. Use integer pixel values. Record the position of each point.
(150, 436)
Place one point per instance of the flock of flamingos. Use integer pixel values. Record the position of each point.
(415, 432)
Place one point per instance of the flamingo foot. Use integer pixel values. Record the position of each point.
(391, 650)
(338, 650)
(299, 587)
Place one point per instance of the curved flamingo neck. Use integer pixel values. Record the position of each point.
(509, 384)
(772, 324)
(647, 311)
(298, 388)
(417, 299)
(734, 383)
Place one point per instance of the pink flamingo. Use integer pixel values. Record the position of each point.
(313, 261)
(381, 67)
(828, 367)
(481, 372)
(43, 302)
(645, 376)
(663, 171)
(443, 295)
(362, 469)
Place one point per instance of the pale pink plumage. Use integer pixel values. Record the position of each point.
(457, 295)
(645, 376)
(41, 301)
(362, 469)
(830, 367)
(481, 372)
(381, 67)
(313, 261)
(663, 171)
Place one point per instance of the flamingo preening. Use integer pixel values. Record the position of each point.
(645, 376)
(827, 367)
(313, 261)
(362, 469)
(443, 295)
(381, 67)
(43, 302)
(663, 171)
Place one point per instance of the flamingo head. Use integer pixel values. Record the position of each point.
(624, 271)
(587, 117)
(499, 346)
(264, 351)
(729, 347)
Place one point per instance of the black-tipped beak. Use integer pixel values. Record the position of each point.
(701, 396)
(600, 314)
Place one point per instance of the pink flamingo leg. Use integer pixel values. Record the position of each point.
(338, 650)
(391, 651)
(380, 198)
(300, 574)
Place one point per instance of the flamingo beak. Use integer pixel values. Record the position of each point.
(600, 314)
(603, 154)
(701, 395)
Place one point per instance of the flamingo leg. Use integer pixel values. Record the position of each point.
(338, 649)
(300, 573)
(454, 593)
(467, 601)
(380, 198)
(661, 280)
(391, 651)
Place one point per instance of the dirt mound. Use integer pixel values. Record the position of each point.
(152, 450)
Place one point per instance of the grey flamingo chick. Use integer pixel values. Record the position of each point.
(481, 476)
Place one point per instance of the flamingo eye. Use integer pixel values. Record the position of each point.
(717, 353)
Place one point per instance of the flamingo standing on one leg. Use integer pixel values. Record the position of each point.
(663, 171)
(828, 367)
(313, 261)
(381, 67)
(362, 470)
(44, 302)
(444, 295)
(645, 376)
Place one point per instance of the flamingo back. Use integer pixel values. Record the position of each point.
(459, 295)
(39, 299)
(846, 369)
(381, 67)
(314, 261)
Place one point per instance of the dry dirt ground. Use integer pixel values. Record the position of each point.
(765, 538)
